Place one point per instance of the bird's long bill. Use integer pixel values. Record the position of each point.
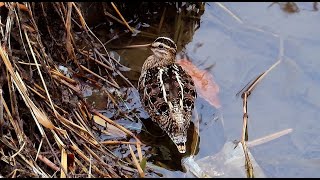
(181, 147)
(134, 46)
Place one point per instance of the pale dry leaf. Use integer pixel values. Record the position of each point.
(111, 129)
(204, 82)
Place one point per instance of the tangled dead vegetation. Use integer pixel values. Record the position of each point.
(46, 126)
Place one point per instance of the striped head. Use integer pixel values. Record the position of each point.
(164, 47)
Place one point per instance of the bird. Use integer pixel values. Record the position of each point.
(167, 92)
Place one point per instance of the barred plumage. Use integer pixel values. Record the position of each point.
(167, 92)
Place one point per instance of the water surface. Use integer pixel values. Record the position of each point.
(235, 43)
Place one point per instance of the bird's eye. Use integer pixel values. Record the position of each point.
(160, 46)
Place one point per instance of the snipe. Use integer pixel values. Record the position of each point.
(167, 92)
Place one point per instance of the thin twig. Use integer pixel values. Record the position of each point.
(244, 137)
(268, 138)
(48, 163)
(141, 173)
(113, 142)
(125, 22)
(1, 114)
(95, 168)
(229, 12)
(161, 20)
(18, 152)
(39, 71)
(96, 75)
(90, 165)
(40, 145)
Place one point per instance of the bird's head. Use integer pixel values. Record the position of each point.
(164, 47)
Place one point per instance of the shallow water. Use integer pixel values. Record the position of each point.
(235, 43)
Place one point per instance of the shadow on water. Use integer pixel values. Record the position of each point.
(164, 150)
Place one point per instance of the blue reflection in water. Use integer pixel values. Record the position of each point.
(288, 97)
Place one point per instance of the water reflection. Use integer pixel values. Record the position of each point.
(288, 7)
(292, 7)
(286, 98)
(162, 151)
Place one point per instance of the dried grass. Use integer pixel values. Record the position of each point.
(244, 138)
(42, 134)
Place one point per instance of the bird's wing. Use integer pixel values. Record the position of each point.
(167, 87)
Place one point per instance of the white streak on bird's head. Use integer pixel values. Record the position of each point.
(164, 47)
